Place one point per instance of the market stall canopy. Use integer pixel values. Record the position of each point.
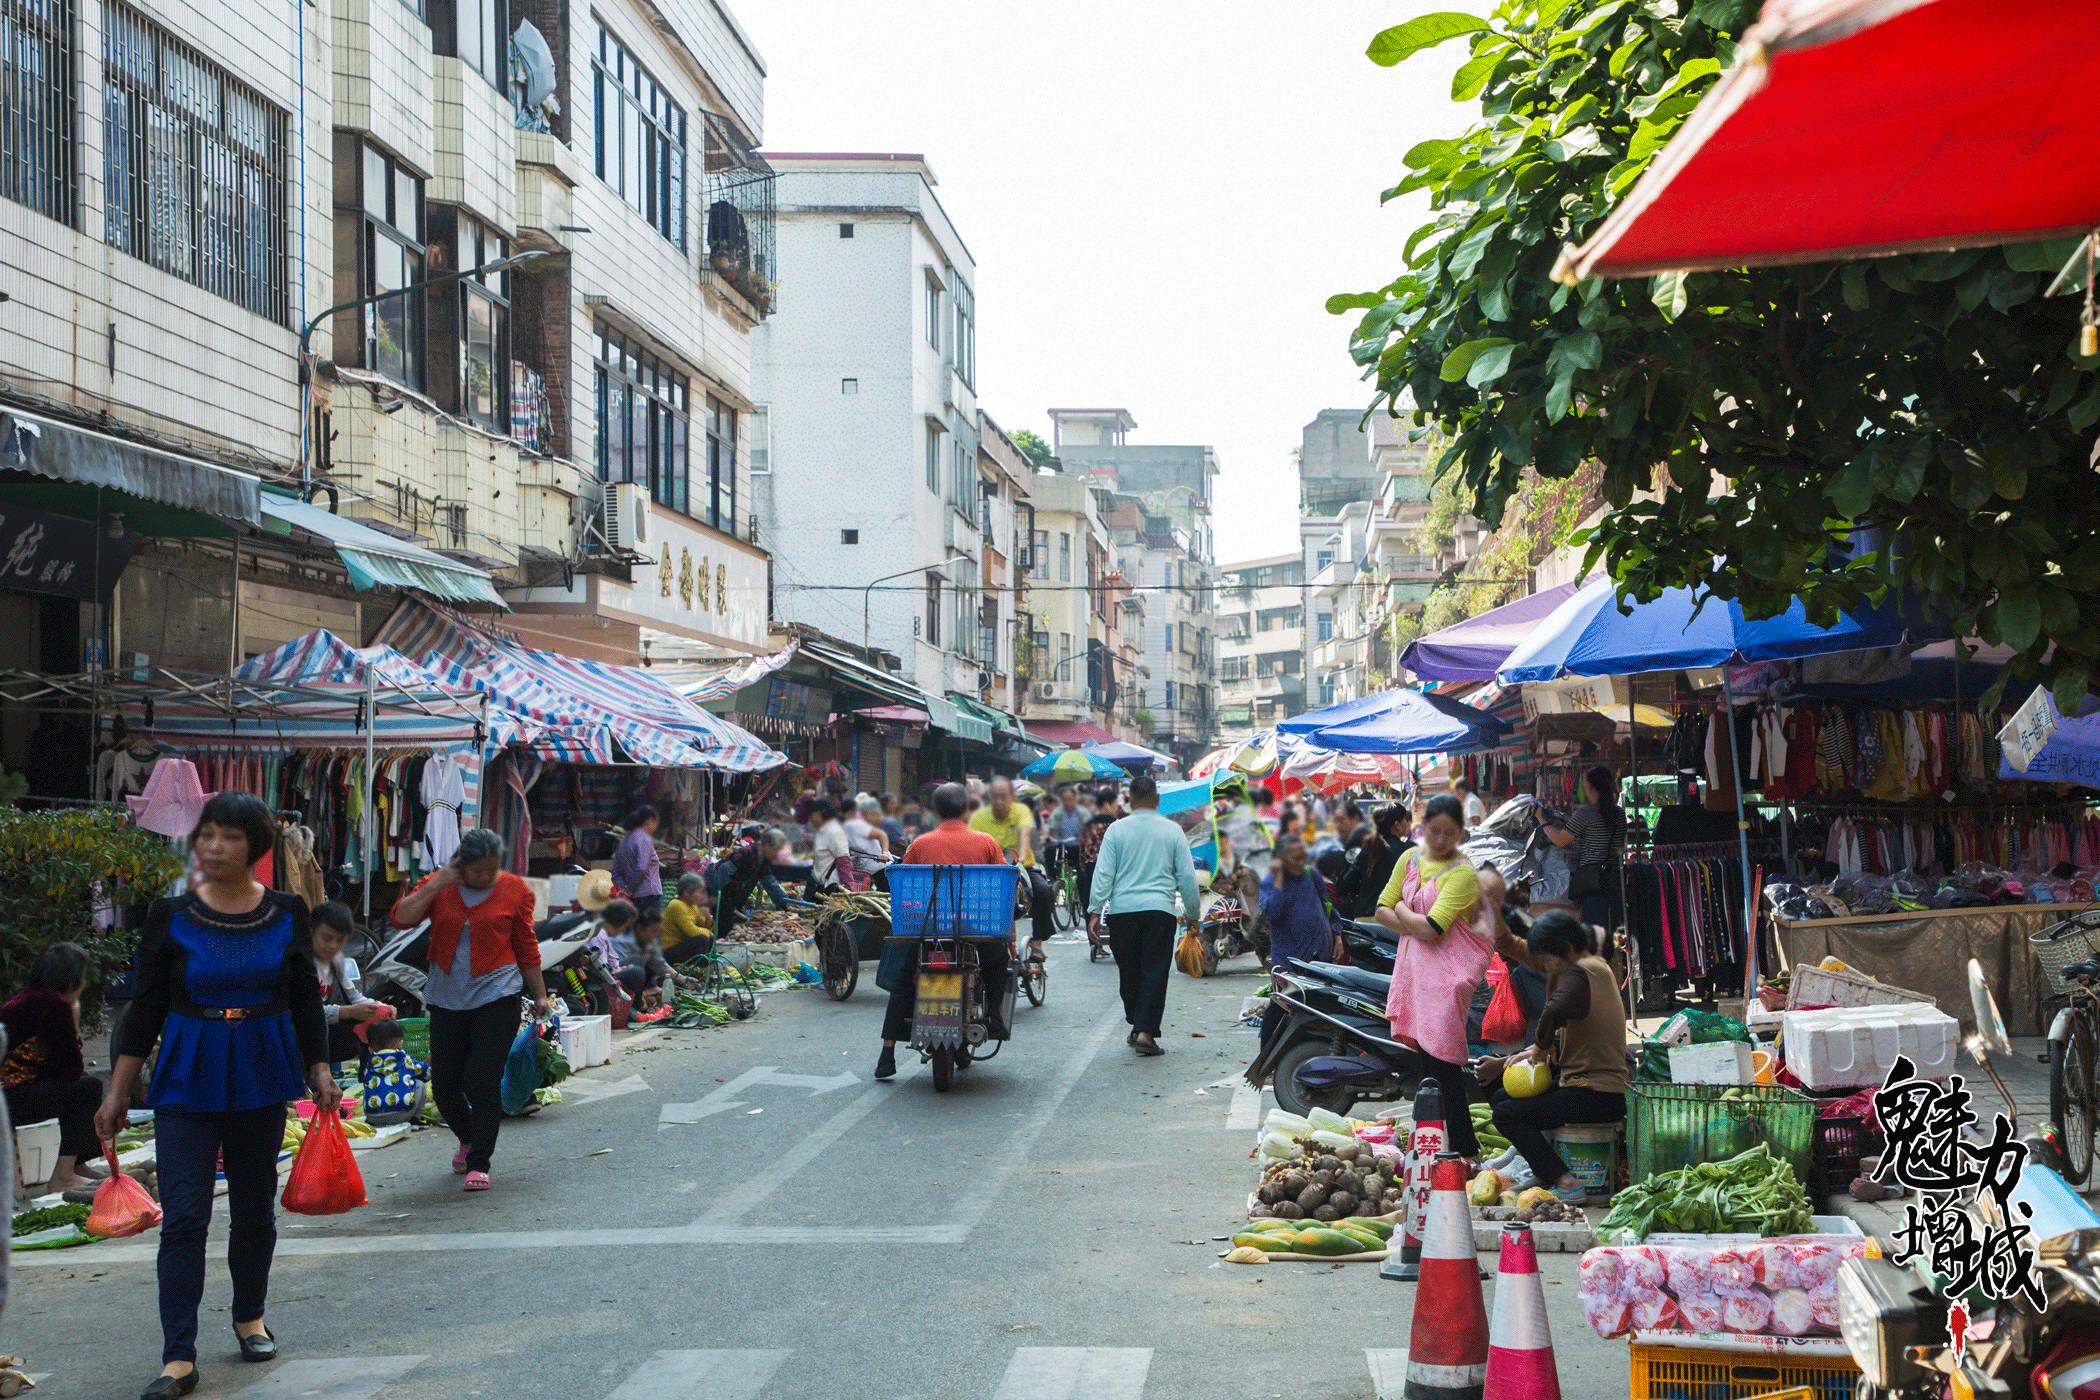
(702, 681)
(1073, 766)
(374, 559)
(654, 724)
(1176, 798)
(1254, 755)
(61, 452)
(1069, 731)
(1328, 771)
(1681, 630)
(1474, 649)
(1397, 722)
(1851, 128)
(946, 714)
(1131, 756)
(894, 714)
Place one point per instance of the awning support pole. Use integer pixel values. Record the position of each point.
(1633, 765)
(1742, 836)
(368, 823)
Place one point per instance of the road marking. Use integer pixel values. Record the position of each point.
(340, 1378)
(724, 1099)
(756, 1189)
(1246, 1106)
(688, 1375)
(592, 1090)
(1388, 1371)
(1075, 1373)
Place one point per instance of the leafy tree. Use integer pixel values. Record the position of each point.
(1818, 431)
(1032, 447)
(55, 869)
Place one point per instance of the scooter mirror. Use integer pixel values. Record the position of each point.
(1990, 1037)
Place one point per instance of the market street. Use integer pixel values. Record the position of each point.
(1044, 1230)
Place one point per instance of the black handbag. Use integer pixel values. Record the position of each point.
(1586, 880)
(899, 961)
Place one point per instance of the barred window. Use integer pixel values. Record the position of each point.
(193, 167)
(36, 105)
(640, 138)
(644, 424)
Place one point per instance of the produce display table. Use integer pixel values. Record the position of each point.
(1929, 952)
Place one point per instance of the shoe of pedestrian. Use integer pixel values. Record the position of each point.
(1130, 1039)
(260, 1347)
(1150, 1047)
(167, 1387)
(459, 1161)
(1574, 1195)
(476, 1181)
(886, 1064)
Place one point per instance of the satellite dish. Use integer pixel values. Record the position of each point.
(532, 70)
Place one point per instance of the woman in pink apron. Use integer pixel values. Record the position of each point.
(1432, 902)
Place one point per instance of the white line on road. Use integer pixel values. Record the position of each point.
(754, 1191)
(341, 1378)
(1388, 1371)
(688, 1375)
(725, 1098)
(1076, 1373)
(592, 1090)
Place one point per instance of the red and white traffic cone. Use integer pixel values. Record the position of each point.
(1424, 1143)
(1520, 1345)
(1447, 1345)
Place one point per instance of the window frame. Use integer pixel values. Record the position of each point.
(490, 289)
(492, 25)
(42, 173)
(659, 439)
(649, 128)
(380, 233)
(935, 431)
(721, 465)
(933, 308)
(963, 352)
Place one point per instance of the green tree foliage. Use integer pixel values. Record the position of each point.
(56, 868)
(1032, 447)
(1749, 423)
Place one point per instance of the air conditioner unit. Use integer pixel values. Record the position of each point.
(1046, 690)
(628, 526)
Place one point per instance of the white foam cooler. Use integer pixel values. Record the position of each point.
(1852, 1047)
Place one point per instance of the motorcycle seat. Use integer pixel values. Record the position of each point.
(1375, 983)
(2086, 971)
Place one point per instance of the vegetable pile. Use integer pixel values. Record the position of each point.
(1533, 1205)
(1327, 1183)
(1750, 1193)
(1354, 1235)
(770, 926)
(28, 1222)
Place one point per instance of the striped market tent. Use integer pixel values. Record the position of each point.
(653, 723)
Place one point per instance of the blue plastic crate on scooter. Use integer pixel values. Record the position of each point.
(952, 901)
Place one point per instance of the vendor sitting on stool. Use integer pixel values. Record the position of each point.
(639, 963)
(1582, 1035)
(688, 927)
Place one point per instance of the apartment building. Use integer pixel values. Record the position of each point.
(873, 502)
(1072, 615)
(1007, 521)
(223, 225)
(1334, 462)
(1159, 518)
(1341, 599)
(1261, 643)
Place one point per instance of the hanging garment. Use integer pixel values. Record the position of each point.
(444, 790)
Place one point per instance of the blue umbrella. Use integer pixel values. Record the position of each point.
(1073, 766)
(1128, 755)
(1588, 636)
(1397, 722)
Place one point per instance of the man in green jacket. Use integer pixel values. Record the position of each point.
(1144, 864)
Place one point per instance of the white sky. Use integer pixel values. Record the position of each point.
(1160, 194)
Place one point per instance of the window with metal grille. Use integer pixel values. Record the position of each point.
(36, 106)
(379, 225)
(640, 138)
(193, 166)
(644, 431)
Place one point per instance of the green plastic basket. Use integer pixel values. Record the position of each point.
(415, 1037)
(1673, 1125)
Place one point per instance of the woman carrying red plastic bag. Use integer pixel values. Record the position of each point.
(122, 1206)
(324, 1179)
(228, 989)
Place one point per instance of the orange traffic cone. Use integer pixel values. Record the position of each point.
(1447, 1348)
(1520, 1346)
(1425, 1141)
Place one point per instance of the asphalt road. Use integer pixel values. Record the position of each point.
(743, 1214)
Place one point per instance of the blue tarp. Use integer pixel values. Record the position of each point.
(1589, 636)
(1184, 797)
(1397, 722)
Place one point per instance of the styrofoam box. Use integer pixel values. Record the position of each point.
(1818, 1225)
(36, 1148)
(1723, 1062)
(587, 1041)
(1851, 1047)
(784, 955)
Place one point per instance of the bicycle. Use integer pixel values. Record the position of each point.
(1065, 912)
(1034, 977)
(2069, 954)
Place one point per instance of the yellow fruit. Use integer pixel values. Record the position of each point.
(1525, 1079)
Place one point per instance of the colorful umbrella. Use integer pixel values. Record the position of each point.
(1074, 766)
(1397, 722)
(1327, 772)
(1134, 757)
(1471, 650)
(1253, 756)
(1850, 128)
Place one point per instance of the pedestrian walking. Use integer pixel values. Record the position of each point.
(635, 868)
(226, 985)
(483, 954)
(1144, 863)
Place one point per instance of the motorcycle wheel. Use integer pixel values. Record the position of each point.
(943, 1070)
(1293, 1097)
(2071, 1100)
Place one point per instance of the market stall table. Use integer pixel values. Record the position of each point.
(1928, 951)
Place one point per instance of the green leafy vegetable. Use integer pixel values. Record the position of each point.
(1750, 1193)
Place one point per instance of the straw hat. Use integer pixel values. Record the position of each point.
(595, 890)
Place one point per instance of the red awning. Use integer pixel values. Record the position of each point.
(1852, 128)
(893, 714)
(1069, 732)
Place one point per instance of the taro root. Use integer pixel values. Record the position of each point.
(1312, 1197)
(1293, 1182)
(1327, 1213)
(1269, 1194)
(1351, 1153)
(1342, 1202)
(1289, 1210)
(1327, 1162)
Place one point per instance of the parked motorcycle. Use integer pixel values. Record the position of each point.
(399, 970)
(1895, 1323)
(1335, 1048)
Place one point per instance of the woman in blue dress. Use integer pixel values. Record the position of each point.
(227, 986)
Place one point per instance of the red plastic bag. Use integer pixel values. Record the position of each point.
(1504, 1021)
(122, 1207)
(325, 1179)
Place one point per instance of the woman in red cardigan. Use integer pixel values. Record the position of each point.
(473, 989)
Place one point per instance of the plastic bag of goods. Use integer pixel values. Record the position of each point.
(1771, 1288)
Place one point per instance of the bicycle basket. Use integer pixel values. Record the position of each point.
(2056, 947)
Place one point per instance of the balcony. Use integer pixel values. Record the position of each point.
(547, 176)
(740, 220)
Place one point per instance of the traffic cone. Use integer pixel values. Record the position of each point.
(1520, 1345)
(1424, 1142)
(1447, 1345)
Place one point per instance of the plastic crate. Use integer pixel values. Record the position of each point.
(1671, 1125)
(415, 1037)
(1697, 1373)
(1842, 1144)
(952, 901)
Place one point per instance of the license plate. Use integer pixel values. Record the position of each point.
(940, 999)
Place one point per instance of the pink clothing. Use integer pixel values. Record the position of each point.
(1433, 983)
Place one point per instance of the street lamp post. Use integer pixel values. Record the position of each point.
(306, 335)
(867, 595)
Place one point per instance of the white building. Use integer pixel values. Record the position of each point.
(1342, 599)
(872, 505)
(1261, 643)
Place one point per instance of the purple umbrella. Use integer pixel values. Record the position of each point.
(1474, 649)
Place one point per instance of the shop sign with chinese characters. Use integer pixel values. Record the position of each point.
(701, 582)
